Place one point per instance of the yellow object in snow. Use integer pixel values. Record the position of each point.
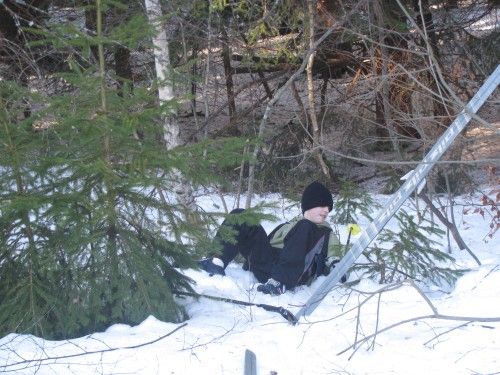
(354, 229)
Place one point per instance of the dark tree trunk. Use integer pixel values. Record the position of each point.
(91, 25)
(123, 71)
(226, 59)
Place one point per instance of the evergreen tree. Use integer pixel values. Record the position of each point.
(91, 233)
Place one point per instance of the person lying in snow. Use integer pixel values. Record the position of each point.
(292, 254)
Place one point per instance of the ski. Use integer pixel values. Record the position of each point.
(402, 194)
(250, 363)
(278, 309)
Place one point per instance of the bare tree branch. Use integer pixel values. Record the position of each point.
(434, 315)
(281, 91)
(453, 229)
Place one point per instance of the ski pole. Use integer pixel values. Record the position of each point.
(278, 309)
(348, 237)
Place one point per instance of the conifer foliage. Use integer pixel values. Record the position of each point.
(413, 253)
(352, 202)
(90, 234)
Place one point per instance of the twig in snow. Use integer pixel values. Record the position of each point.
(40, 360)
(434, 315)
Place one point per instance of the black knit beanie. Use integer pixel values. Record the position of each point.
(316, 195)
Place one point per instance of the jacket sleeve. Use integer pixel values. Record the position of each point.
(277, 236)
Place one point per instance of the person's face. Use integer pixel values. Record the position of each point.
(317, 214)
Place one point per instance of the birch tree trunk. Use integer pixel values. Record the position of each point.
(182, 189)
(310, 93)
(162, 66)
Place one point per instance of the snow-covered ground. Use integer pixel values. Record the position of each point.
(346, 334)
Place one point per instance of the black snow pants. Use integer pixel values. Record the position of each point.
(302, 256)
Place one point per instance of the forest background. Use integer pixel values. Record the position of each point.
(115, 116)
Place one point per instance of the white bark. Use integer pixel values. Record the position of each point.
(310, 91)
(162, 66)
(182, 189)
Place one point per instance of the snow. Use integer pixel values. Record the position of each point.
(338, 338)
